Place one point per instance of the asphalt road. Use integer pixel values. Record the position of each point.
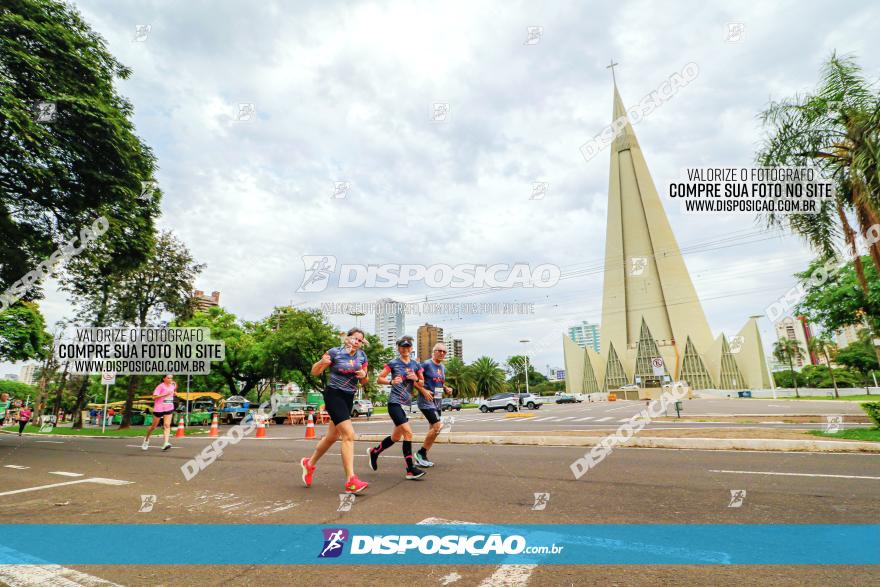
(257, 481)
(609, 415)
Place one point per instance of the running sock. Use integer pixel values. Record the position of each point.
(407, 454)
(386, 443)
(423, 453)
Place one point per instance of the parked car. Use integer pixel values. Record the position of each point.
(629, 387)
(566, 399)
(362, 407)
(448, 403)
(499, 401)
(531, 401)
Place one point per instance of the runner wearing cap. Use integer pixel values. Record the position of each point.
(406, 373)
(348, 366)
(435, 381)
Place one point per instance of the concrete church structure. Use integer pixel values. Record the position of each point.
(650, 309)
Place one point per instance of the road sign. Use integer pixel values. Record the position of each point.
(657, 365)
(108, 378)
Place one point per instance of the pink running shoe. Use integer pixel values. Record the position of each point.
(308, 471)
(355, 485)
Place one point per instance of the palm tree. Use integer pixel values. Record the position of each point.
(825, 347)
(835, 130)
(487, 376)
(787, 350)
(458, 377)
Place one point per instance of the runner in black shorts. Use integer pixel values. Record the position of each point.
(405, 373)
(348, 366)
(434, 373)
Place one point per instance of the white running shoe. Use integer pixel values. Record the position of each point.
(145, 445)
(167, 446)
(422, 462)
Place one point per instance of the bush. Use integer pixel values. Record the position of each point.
(873, 410)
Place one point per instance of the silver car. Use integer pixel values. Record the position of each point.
(499, 401)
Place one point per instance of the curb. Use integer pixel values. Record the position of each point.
(761, 444)
(87, 435)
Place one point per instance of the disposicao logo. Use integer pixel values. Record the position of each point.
(334, 541)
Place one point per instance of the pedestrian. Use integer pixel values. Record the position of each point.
(24, 417)
(163, 409)
(435, 381)
(406, 374)
(4, 407)
(348, 366)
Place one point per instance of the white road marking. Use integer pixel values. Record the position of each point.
(565, 418)
(509, 576)
(15, 467)
(450, 578)
(151, 446)
(795, 474)
(98, 480)
(587, 418)
(42, 575)
(65, 474)
(619, 408)
(505, 575)
(543, 419)
(605, 419)
(50, 441)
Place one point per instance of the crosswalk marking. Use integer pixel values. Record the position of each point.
(565, 418)
(542, 419)
(15, 467)
(583, 419)
(605, 419)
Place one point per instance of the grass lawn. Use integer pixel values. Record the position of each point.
(111, 431)
(849, 398)
(869, 434)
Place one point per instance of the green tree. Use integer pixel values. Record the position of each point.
(68, 150)
(788, 350)
(162, 284)
(458, 377)
(859, 355)
(824, 346)
(487, 375)
(836, 130)
(17, 389)
(23, 333)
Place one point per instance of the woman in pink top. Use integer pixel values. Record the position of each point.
(24, 417)
(163, 409)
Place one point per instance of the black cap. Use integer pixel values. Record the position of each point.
(405, 341)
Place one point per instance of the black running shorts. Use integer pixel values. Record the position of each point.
(430, 415)
(338, 404)
(398, 416)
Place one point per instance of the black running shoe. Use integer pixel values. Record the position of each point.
(374, 458)
(415, 473)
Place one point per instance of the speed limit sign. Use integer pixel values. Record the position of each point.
(108, 378)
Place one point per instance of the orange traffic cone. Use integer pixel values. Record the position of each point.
(261, 428)
(310, 427)
(215, 430)
(180, 431)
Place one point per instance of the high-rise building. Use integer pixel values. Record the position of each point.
(847, 335)
(427, 336)
(390, 323)
(793, 329)
(26, 375)
(11, 377)
(204, 302)
(585, 335)
(454, 347)
(654, 329)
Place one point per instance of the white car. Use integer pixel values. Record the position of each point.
(531, 401)
(499, 401)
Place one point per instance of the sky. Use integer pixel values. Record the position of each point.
(345, 93)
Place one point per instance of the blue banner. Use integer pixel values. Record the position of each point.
(380, 544)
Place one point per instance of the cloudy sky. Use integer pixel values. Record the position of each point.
(344, 92)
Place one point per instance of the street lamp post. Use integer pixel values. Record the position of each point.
(518, 398)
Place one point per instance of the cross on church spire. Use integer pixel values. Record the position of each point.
(611, 67)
